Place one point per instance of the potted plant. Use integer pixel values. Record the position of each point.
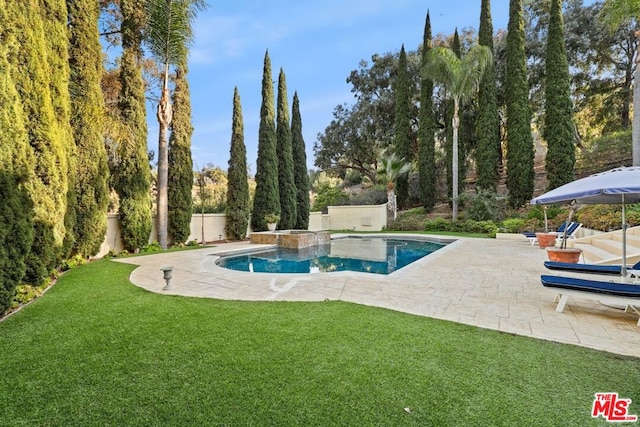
(272, 220)
(563, 253)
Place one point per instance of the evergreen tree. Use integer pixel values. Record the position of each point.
(39, 80)
(488, 128)
(132, 177)
(300, 167)
(402, 140)
(520, 149)
(286, 184)
(238, 209)
(558, 122)
(87, 117)
(267, 197)
(426, 129)
(180, 164)
(16, 227)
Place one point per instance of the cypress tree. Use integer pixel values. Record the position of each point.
(426, 129)
(488, 126)
(40, 80)
(286, 184)
(55, 20)
(238, 210)
(558, 123)
(520, 149)
(301, 176)
(402, 140)
(87, 118)
(180, 164)
(16, 227)
(267, 198)
(132, 178)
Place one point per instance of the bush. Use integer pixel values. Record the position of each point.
(24, 294)
(514, 225)
(607, 217)
(72, 262)
(371, 196)
(407, 223)
(152, 247)
(483, 206)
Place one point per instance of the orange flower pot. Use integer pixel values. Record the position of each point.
(571, 255)
(546, 239)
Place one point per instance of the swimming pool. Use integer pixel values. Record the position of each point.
(380, 255)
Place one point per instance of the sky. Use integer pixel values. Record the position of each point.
(316, 43)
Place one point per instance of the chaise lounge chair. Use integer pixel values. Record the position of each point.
(609, 292)
(612, 270)
(571, 232)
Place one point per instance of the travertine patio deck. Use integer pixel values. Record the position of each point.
(488, 283)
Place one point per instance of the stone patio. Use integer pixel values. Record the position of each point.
(488, 283)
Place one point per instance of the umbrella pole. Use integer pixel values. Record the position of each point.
(623, 270)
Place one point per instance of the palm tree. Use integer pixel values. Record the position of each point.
(613, 14)
(460, 78)
(391, 167)
(168, 35)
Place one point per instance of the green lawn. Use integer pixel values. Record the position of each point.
(96, 350)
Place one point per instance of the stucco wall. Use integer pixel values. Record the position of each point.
(360, 218)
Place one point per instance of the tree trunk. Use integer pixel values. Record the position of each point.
(164, 120)
(635, 127)
(454, 162)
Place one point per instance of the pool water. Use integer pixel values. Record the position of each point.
(369, 255)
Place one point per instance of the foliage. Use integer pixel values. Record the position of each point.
(488, 148)
(271, 218)
(403, 142)
(558, 122)
(375, 195)
(426, 129)
(25, 294)
(130, 170)
(468, 226)
(286, 180)
(72, 262)
(607, 217)
(604, 153)
(520, 149)
(238, 209)
(180, 163)
(267, 197)
(514, 225)
(152, 247)
(87, 122)
(16, 236)
(328, 192)
(482, 206)
(301, 177)
(391, 168)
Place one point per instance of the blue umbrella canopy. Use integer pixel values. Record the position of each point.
(615, 186)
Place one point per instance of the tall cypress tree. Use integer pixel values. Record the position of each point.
(38, 79)
(402, 140)
(267, 197)
(426, 129)
(286, 184)
(55, 24)
(238, 209)
(16, 227)
(180, 164)
(520, 149)
(558, 123)
(488, 126)
(87, 118)
(132, 177)
(301, 176)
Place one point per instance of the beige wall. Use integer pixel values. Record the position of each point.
(361, 218)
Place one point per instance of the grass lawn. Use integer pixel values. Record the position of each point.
(96, 350)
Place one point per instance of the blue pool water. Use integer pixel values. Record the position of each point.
(369, 255)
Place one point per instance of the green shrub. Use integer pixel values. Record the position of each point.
(152, 247)
(376, 195)
(482, 206)
(514, 225)
(70, 263)
(24, 294)
(407, 223)
(607, 217)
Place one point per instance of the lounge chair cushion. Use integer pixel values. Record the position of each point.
(593, 286)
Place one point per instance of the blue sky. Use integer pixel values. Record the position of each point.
(317, 43)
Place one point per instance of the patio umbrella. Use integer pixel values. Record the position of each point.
(615, 186)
